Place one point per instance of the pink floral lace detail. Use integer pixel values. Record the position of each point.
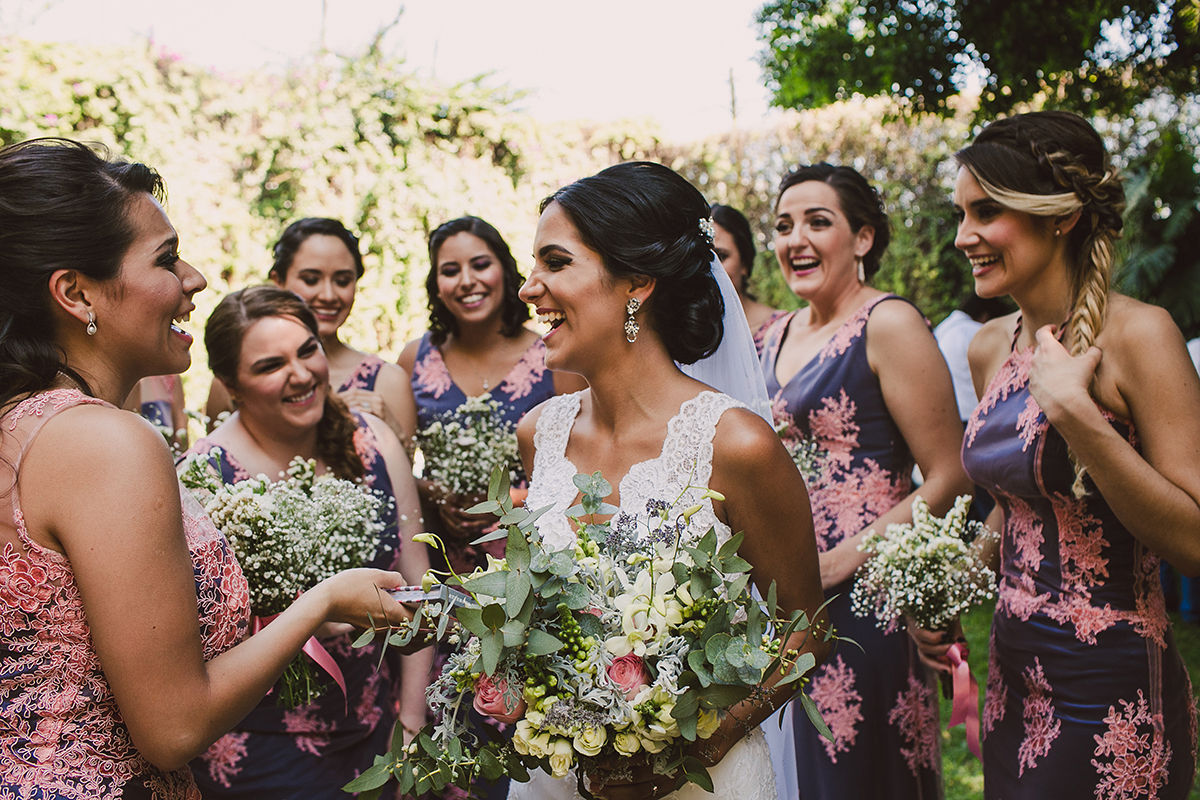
(916, 715)
(63, 730)
(840, 706)
(833, 426)
(1020, 599)
(1025, 530)
(1028, 425)
(223, 757)
(1041, 728)
(1135, 751)
(1151, 621)
(1080, 542)
(364, 374)
(1013, 375)
(313, 731)
(851, 329)
(430, 373)
(996, 696)
(521, 379)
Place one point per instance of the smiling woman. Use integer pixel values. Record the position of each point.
(121, 606)
(263, 343)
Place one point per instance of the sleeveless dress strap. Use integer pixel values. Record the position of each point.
(554, 428)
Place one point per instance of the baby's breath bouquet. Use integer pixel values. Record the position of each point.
(289, 536)
(461, 447)
(627, 644)
(928, 571)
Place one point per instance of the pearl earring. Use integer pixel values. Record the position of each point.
(91, 326)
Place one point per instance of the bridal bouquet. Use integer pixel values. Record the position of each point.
(289, 536)
(927, 570)
(462, 447)
(628, 643)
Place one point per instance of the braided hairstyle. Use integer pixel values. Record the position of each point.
(513, 310)
(644, 219)
(1050, 163)
(223, 335)
(63, 205)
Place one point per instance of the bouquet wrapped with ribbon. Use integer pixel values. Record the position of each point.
(929, 571)
(288, 536)
(626, 644)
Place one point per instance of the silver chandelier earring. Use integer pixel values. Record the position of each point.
(91, 326)
(631, 326)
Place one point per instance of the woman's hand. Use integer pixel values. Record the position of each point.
(460, 526)
(359, 597)
(365, 402)
(932, 646)
(1058, 380)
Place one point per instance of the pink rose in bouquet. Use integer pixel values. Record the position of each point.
(629, 673)
(489, 700)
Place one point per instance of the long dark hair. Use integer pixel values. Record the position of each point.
(860, 203)
(295, 234)
(513, 311)
(223, 336)
(738, 227)
(644, 219)
(63, 205)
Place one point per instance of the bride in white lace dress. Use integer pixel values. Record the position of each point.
(622, 275)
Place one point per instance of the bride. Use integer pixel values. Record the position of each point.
(624, 275)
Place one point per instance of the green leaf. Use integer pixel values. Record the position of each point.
(498, 485)
(716, 647)
(443, 623)
(489, 583)
(814, 716)
(772, 600)
(365, 638)
(577, 597)
(490, 648)
(699, 665)
(562, 563)
(486, 507)
(593, 484)
(526, 613)
(731, 546)
(720, 696)
(708, 542)
(698, 556)
(540, 562)
(541, 643)
(514, 627)
(514, 517)
(493, 616)
(738, 585)
(494, 536)
(489, 765)
(472, 620)
(375, 777)
(736, 564)
(516, 592)
(726, 673)
(590, 625)
(687, 705)
(516, 552)
(696, 772)
(371, 794)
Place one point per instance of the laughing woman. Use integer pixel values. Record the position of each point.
(1088, 436)
(263, 343)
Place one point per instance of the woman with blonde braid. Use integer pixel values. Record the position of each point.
(1087, 435)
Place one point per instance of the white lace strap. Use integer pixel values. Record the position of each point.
(554, 429)
(688, 450)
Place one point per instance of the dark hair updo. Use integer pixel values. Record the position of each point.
(223, 336)
(738, 227)
(63, 205)
(513, 310)
(860, 203)
(295, 235)
(644, 219)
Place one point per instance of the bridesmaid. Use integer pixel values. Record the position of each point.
(733, 243)
(859, 372)
(319, 259)
(476, 343)
(1088, 436)
(263, 344)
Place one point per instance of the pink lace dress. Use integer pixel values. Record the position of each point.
(1087, 695)
(61, 732)
(878, 700)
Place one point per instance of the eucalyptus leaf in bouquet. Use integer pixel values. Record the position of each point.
(627, 644)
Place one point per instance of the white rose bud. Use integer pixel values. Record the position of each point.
(627, 743)
(590, 740)
(562, 755)
(707, 722)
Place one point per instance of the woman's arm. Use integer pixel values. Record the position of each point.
(416, 669)
(121, 527)
(919, 396)
(218, 402)
(765, 498)
(1145, 367)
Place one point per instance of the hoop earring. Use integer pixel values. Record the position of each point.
(91, 326)
(631, 326)
(862, 271)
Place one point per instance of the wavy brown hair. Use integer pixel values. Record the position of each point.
(223, 336)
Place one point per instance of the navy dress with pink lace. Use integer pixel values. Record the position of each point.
(1087, 695)
(312, 751)
(878, 701)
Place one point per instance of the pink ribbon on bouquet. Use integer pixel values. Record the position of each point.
(314, 650)
(965, 709)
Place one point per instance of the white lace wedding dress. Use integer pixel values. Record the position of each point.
(686, 460)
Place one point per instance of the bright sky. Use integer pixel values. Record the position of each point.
(611, 59)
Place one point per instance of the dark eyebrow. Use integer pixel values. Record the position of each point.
(544, 251)
(817, 209)
(170, 243)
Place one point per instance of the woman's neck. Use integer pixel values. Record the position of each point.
(837, 305)
(478, 337)
(1048, 302)
(275, 446)
(631, 388)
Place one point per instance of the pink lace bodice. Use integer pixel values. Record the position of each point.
(63, 736)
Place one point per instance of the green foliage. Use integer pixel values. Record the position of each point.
(1100, 56)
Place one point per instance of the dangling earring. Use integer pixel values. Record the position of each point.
(862, 271)
(91, 326)
(631, 326)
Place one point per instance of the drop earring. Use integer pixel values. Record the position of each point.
(91, 326)
(631, 326)
(862, 271)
